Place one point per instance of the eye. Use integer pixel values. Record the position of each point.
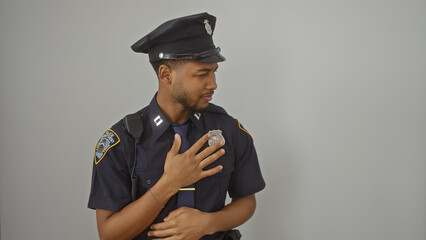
(203, 75)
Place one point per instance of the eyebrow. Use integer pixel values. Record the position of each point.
(207, 69)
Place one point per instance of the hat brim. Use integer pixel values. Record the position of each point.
(212, 59)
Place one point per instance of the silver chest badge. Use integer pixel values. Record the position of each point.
(216, 137)
(208, 27)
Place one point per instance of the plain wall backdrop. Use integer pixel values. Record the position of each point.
(333, 92)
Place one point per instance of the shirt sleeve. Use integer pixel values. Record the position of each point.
(111, 185)
(247, 178)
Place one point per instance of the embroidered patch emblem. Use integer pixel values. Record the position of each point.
(108, 140)
(216, 137)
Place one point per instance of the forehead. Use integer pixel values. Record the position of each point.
(199, 66)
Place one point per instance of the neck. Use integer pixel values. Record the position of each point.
(173, 110)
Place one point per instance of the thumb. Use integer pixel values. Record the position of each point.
(176, 144)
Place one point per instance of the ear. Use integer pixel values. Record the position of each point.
(165, 74)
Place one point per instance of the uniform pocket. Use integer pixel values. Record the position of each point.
(224, 176)
(227, 163)
(211, 191)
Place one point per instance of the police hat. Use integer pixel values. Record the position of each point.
(187, 38)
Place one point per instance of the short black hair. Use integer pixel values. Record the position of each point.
(173, 64)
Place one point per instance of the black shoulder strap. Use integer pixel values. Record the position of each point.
(134, 125)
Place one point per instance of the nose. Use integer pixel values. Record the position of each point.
(211, 85)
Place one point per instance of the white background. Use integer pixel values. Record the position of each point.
(333, 92)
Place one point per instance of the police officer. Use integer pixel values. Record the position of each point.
(190, 155)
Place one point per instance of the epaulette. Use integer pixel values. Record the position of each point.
(216, 109)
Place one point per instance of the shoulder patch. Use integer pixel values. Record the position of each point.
(108, 140)
(243, 129)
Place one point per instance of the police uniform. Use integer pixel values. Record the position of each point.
(114, 153)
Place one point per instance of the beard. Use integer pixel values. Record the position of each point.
(183, 97)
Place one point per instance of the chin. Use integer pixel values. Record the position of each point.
(204, 107)
(199, 108)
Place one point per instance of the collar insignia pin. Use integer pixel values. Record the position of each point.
(158, 120)
(197, 115)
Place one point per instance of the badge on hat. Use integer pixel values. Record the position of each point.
(108, 140)
(208, 27)
(216, 137)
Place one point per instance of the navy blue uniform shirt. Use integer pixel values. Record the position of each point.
(111, 189)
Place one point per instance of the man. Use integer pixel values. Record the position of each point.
(190, 155)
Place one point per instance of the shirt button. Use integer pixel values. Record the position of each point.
(148, 181)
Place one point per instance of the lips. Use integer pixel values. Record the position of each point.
(208, 97)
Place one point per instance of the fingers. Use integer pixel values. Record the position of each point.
(162, 233)
(210, 159)
(209, 150)
(174, 214)
(176, 145)
(199, 144)
(161, 226)
(212, 171)
(168, 227)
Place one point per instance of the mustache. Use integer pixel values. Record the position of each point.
(208, 94)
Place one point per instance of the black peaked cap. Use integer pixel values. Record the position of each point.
(188, 37)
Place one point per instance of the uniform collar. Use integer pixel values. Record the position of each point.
(196, 119)
(160, 123)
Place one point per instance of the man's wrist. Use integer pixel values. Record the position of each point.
(211, 223)
(168, 185)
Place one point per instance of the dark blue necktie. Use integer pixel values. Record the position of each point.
(186, 194)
